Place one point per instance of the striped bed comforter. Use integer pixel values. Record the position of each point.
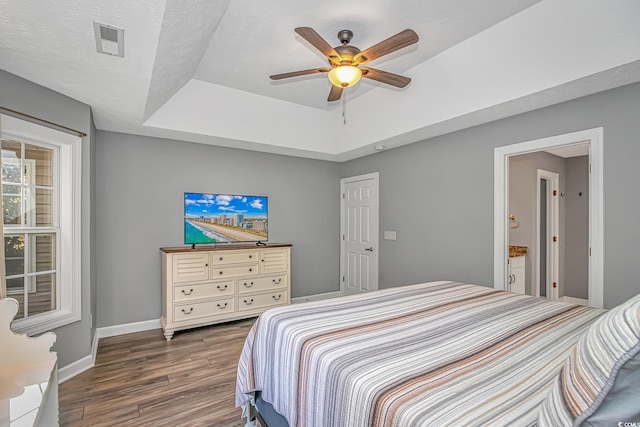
(433, 354)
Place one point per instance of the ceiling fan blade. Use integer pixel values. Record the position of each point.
(299, 73)
(385, 47)
(335, 93)
(385, 77)
(310, 35)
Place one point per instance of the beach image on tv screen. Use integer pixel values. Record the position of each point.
(224, 218)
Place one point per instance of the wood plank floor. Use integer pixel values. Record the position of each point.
(141, 379)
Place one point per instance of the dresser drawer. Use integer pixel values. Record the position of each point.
(245, 270)
(207, 290)
(251, 285)
(202, 309)
(250, 302)
(235, 257)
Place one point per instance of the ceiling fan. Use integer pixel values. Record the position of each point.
(345, 60)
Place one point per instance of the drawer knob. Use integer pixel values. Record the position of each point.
(248, 285)
(251, 269)
(220, 258)
(187, 312)
(277, 281)
(250, 256)
(278, 298)
(220, 271)
(222, 307)
(185, 292)
(249, 302)
(223, 288)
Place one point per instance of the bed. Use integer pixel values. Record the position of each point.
(438, 353)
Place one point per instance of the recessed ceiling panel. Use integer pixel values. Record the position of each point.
(257, 39)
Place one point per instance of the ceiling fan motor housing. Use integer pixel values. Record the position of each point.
(347, 52)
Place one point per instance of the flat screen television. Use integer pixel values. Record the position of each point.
(225, 218)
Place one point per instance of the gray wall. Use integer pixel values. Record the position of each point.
(74, 340)
(438, 197)
(438, 194)
(576, 261)
(140, 186)
(523, 187)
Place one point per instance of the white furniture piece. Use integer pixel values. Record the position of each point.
(516, 277)
(28, 375)
(213, 284)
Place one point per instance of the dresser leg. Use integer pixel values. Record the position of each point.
(168, 334)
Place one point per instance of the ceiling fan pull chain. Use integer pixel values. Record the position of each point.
(344, 108)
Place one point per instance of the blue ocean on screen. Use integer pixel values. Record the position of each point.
(225, 218)
(195, 234)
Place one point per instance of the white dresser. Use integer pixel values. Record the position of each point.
(208, 285)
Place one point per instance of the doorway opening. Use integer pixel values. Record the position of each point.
(544, 268)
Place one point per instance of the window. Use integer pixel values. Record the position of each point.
(41, 224)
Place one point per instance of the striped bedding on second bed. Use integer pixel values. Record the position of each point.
(439, 353)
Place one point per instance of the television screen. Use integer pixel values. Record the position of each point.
(224, 218)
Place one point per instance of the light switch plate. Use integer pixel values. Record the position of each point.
(389, 235)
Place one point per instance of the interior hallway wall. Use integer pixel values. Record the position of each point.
(577, 228)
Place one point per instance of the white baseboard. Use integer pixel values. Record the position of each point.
(315, 297)
(572, 300)
(88, 362)
(75, 368)
(94, 346)
(128, 328)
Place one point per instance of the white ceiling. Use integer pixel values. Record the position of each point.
(570, 151)
(198, 71)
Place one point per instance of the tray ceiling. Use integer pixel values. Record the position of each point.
(198, 71)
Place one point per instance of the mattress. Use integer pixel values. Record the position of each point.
(438, 353)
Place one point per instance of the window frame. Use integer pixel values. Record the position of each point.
(30, 171)
(68, 180)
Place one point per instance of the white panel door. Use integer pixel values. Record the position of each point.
(359, 249)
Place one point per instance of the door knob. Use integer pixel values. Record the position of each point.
(369, 249)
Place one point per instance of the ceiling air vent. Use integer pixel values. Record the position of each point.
(109, 39)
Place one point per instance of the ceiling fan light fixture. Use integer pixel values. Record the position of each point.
(345, 75)
(344, 60)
